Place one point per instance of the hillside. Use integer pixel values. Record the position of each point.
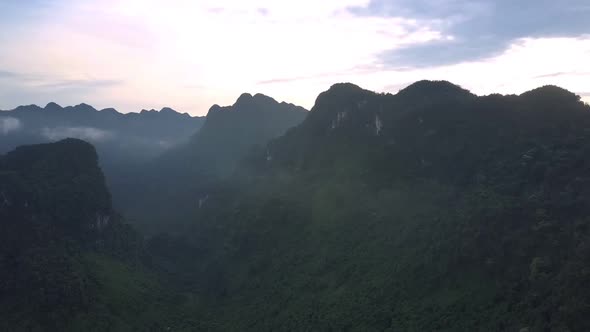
(68, 261)
(174, 183)
(429, 210)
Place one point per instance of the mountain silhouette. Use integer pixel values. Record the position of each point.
(173, 180)
(428, 210)
(432, 209)
(118, 137)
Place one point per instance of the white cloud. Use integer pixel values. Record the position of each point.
(94, 135)
(527, 64)
(9, 124)
(161, 49)
(192, 54)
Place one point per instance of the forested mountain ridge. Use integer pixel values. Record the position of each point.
(429, 210)
(230, 132)
(119, 138)
(176, 181)
(67, 260)
(124, 142)
(432, 209)
(61, 181)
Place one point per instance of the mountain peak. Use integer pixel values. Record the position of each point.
(168, 110)
(343, 89)
(259, 97)
(84, 107)
(341, 94)
(53, 107)
(434, 89)
(247, 100)
(110, 110)
(244, 99)
(551, 93)
(28, 108)
(344, 86)
(215, 108)
(76, 182)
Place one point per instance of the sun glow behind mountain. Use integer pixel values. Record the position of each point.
(133, 54)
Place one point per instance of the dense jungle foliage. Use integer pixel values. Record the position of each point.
(429, 210)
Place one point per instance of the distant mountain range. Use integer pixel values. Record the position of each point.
(118, 137)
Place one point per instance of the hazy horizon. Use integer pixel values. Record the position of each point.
(441, 182)
(189, 55)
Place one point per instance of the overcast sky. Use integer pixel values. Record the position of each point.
(190, 54)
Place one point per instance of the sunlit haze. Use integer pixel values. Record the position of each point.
(188, 55)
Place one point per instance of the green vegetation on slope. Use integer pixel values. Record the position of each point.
(430, 210)
(67, 261)
(167, 191)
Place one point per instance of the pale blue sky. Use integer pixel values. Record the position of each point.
(134, 54)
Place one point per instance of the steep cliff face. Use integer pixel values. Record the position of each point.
(173, 186)
(54, 209)
(60, 183)
(429, 210)
(230, 132)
